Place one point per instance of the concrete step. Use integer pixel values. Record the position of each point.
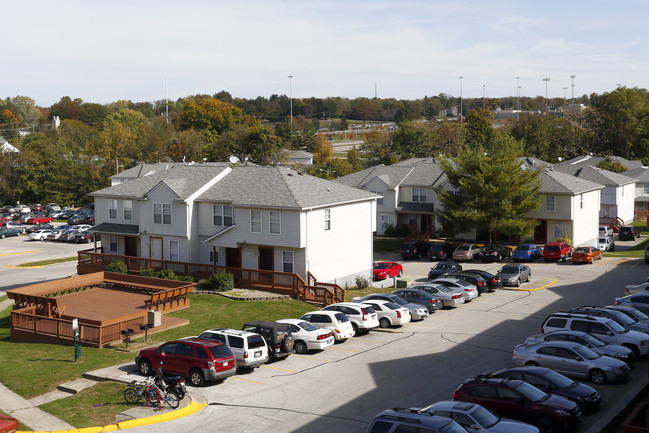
(76, 385)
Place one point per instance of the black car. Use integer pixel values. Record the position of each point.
(475, 279)
(493, 281)
(627, 233)
(433, 303)
(89, 218)
(277, 335)
(586, 397)
(39, 226)
(443, 268)
(495, 253)
(438, 251)
(414, 249)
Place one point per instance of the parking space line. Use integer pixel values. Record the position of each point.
(310, 357)
(601, 262)
(520, 289)
(639, 261)
(246, 380)
(338, 348)
(22, 252)
(280, 369)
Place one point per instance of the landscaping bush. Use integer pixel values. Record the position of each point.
(187, 278)
(361, 282)
(221, 282)
(167, 274)
(389, 231)
(148, 272)
(119, 267)
(565, 238)
(402, 231)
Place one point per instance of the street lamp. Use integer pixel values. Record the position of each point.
(484, 93)
(546, 93)
(518, 94)
(572, 94)
(290, 84)
(461, 112)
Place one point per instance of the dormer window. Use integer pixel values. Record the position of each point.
(161, 213)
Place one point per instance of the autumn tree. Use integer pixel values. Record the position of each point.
(322, 150)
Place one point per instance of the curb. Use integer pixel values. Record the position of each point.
(192, 408)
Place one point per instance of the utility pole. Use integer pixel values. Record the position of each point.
(166, 100)
(461, 112)
(290, 92)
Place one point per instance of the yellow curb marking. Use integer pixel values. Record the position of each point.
(22, 252)
(24, 267)
(280, 369)
(245, 380)
(534, 290)
(310, 357)
(602, 262)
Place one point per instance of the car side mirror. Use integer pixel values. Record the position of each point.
(475, 427)
(579, 358)
(609, 333)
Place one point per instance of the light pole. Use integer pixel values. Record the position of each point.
(572, 94)
(484, 97)
(461, 112)
(518, 94)
(546, 93)
(290, 93)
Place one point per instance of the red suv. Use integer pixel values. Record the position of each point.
(197, 359)
(515, 399)
(557, 251)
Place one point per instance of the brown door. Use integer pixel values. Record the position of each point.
(130, 246)
(266, 259)
(426, 224)
(541, 232)
(233, 257)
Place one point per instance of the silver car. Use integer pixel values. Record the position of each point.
(477, 419)
(514, 274)
(469, 291)
(417, 311)
(466, 252)
(639, 301)
(451, 297)
(585, 339)
(571, 359)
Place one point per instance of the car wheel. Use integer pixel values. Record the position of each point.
(300, 347)
(355, 326)
(3, 236)
(196, 378)
(544, 424)
(288, 343)
(400, 272)
(499, 258)
(597, 376)
(384, 322)
(592, 260)
(145, 367)
(518, 282)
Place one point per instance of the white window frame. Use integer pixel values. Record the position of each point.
(327, 219)
(379, 201)
(222, 215)
(419, 195)
(275, 227)
(113, 244)
(112, 208)
(645, 189)
(128, 210)
(255, 221)
(174, 250)
(288, 260)
(164, 213)
(214, 254)
(385, 220)
(550, 203)
(606, 211)
(558, 229)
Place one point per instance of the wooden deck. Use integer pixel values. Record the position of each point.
(100, 305)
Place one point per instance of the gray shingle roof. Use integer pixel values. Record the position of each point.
(594, 160)
(391, 175)
(280, 187)
(556, 182)
(595, 174)
(641, 174)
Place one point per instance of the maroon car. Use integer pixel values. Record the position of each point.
(197, 359)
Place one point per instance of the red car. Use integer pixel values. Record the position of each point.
(383, 270)
(197, 359)
(557, 251)
(586, 255)
(36, 207)
(38, 219)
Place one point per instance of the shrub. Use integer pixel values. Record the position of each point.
(187, 278)
(221, 282)
(389, 230)
(565, 238)
(167, 274)
(148, 272)
(402, 231)
(119, 267)
(361, 282)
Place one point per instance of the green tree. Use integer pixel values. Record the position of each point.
(610, 165)
(27, 111)
(343, 123)
(493, 192)
(479, 129)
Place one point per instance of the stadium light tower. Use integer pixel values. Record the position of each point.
(461, 112)
(572, 85)
(546, 93)
(290, 93)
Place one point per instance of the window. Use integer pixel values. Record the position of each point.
(385, 220)
(549, 203)
(379, 201)
(173, 251)
(112, 209)
(639, 206)
(235, 341)
(412, 219)
(327, 219)
(113, 243)
(255, 221)
(558, 230)
(128, 209)
(275, 223)
(214, 256)
(222, 215)
(287, 261)
(161, 213)
(419, 195)
(645, 189)
(581, 201)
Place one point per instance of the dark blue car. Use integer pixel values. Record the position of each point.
(527, 252)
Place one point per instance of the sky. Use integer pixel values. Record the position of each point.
(104, 51)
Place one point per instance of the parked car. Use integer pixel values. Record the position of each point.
(443, 268)
(23, 208)
(412, 420)
(450, 297)
(335, 321)
(417, 295)
(44, 226)
(389, 313)
(56, 214)
(586, 255)
(417, 311)
(414, 249)
(39, 235)
(571, 359)
(307, 336)
(469, 291)
(277, 335)
(466, 252)
(39, 219)
(639, 301)
(89, 218)
(477, 280)
(521, 401)
(495, 253)
(36, 207)
(632, 312)
(439, 251)
(527, 252)
(85, 236)
(606, 231)
(493, 281)
(514, 275)
(248, 348)
(636, 288)
(196, 359)
(383, 270)
(607, 330)
(606, 244)
(545, 379)
(475, 418)
(620, 317)
(629, 233)
(362, 316)
(585, 339)
(15, 226)
(52, 207)
(82, 227)
(6, 232)
(55, 234)
(557, 251)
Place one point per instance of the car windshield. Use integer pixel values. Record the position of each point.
(255, 341)
(509, 270)
(443, 266)
(443, 288)
(582, 250)
(585, 352)
(381, 266)
(593, 341)
(602, 240)
(491, 247)
(399, 300)
(463, 248)
(219, 352)
(461, 283)
(308, 326)
(341, 317)
(436, 247)
(484, 417)
(531, 392)
(391, 306)
(616, 327)
(621, 317)
(451, 427)
(559, 380)
(639, 315)
(523, 248)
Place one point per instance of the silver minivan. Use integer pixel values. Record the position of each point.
(249, 348)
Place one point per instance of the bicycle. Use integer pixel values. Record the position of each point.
(156, 395)
(136, 391)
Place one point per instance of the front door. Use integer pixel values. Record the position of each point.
(130, 246)
(266, 259)
(233, 257)
(541, 232)
(155, 248)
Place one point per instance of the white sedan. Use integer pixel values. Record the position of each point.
(307, 336)
(39, 235)
(390, 314)
(632, 289)
(468, 290)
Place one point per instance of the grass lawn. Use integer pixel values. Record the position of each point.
(387, 244)
(48, 262)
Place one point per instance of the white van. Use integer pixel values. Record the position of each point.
(249, 348)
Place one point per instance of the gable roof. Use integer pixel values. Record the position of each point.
(412, 172)
(280, 187)
(556, 182)
(594, 160)
(641, 174)
(595, 174)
